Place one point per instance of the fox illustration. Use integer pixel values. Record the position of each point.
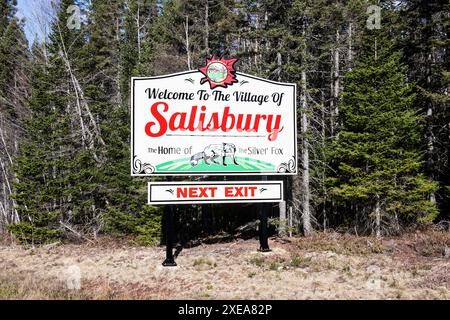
(214, 151)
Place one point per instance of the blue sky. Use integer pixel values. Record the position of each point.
(25, 10)
(30, 9)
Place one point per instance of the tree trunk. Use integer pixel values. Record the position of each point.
(306, 210)
(186, 29)
(350, 46)
(206, 36)
(8, 194)
(283, 219)
(335, 85)
(323, 136)
(429, 130)
(138, 27)
(378, 216)
(279, 66)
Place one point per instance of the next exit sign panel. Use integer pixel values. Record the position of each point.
(214, 192)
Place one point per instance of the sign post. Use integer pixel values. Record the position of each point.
(213, 122)
(168, 214)
(263, 226)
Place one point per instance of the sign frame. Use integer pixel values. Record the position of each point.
(140, 169)
(278, 183)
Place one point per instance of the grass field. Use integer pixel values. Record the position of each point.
(325, 266)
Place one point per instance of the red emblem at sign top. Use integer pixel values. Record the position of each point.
(219, 72)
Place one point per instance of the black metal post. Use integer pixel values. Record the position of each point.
(168, 215)
(206, 219)
(263, 230)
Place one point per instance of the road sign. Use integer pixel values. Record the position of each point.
(240, 125)
(214, 192)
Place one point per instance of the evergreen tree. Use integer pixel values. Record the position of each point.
(73, 173)
(121, 207)
(140, 16)
(14, 60)
(7, 11)
(50, 179)
(14, 90)
(378, 155)
(424, 34)
(39, 191)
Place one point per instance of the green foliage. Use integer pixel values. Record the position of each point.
(69, 138)
(146, 225)
(204, 261)
(7, 11)
(378, 155)
(13, 60)
(26, 233)
(50, 165)
(300, 262)
(425, 42)
(149, 228)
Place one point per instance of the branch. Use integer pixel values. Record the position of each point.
(79, 235)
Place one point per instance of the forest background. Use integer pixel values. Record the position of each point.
(373, 111)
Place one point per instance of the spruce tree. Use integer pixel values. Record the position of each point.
(378, 153)
(140, 16)
(14, 90)
(14, 57)
(121, 206)
(7, 11)
(424, 29)
(38, 191)
(55, 179)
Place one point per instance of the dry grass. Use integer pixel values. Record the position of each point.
(341, 244)
(325, 266)
(33, 289)
(430, 244)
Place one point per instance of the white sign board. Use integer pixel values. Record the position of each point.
(180, 126)
(214, 192)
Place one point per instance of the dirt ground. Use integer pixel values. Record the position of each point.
(325, 266)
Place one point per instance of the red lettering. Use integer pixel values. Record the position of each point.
(229, 192)
(226, 116)
(239, 192)
(181, 125)
(196, 120)
(191, 126)
(181, 192)
(193, 193)
(160, 118)
(203, 193)
(196, 192)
